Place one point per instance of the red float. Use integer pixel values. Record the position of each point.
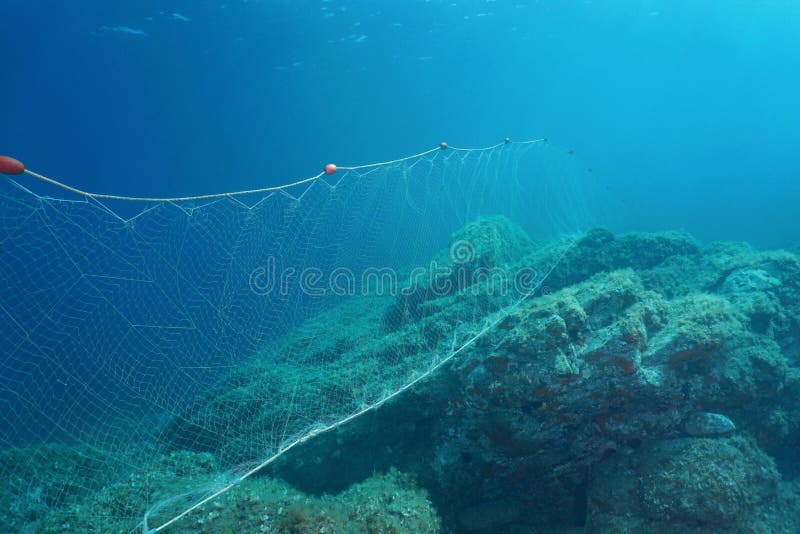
(11, 166)
(330, 168)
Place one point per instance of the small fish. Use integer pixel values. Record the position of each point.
(125, 29)
(704, 424)
(182, 18)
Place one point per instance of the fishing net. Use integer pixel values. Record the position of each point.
(239, 326)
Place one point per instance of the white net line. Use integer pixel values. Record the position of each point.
(262, 190)
(135, 337)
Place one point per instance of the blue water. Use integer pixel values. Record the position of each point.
(686, 111)
(670, 115)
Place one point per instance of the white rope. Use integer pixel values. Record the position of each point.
(86, 194)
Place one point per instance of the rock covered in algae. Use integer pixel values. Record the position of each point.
(384, 503)
(390, 502)
(47, 478)
(688, 485)
(571, 411)
(637, 334)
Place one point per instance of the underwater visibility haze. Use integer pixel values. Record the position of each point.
(464, 266)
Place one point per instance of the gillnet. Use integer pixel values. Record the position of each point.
(177, 353)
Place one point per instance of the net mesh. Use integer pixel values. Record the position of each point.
(241, 326)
